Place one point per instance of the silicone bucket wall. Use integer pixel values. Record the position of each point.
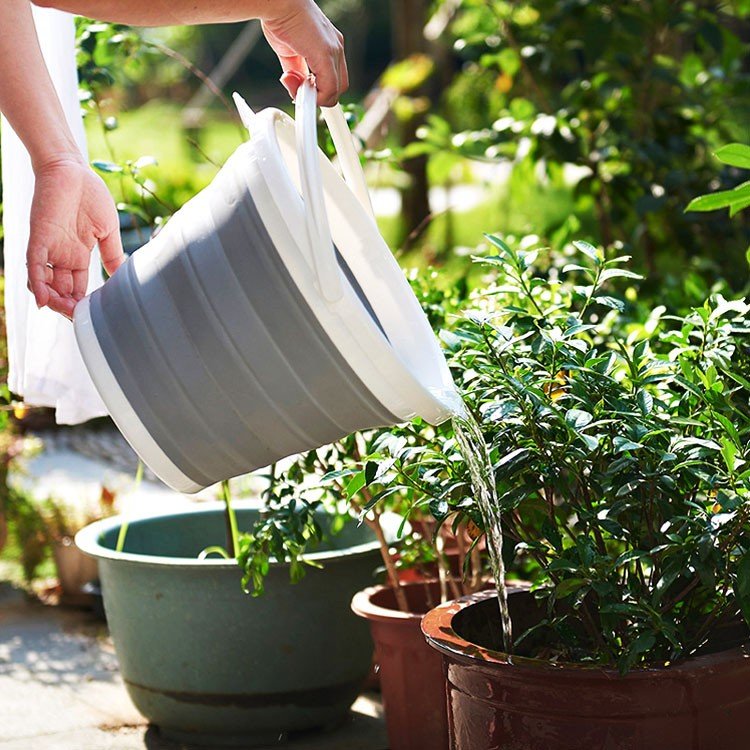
(216, 351)
(207, 662)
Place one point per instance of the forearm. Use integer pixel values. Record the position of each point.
(27, 96)
(170, 12)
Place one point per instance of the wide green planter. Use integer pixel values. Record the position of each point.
(210, 664)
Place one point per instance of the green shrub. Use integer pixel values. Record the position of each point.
(620, 459)
(638, 94)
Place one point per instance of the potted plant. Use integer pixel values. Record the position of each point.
(212, 664)
(432, 562)
(619, 451)
(62, 521)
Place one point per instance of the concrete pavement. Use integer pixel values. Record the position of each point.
(60, 689)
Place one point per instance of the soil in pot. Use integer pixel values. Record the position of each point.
(518, 703)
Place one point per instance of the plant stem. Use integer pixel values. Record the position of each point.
(385, 552)
(230, 518)
(201, 76)
(462, 552)
(124, 525)
(390, 565)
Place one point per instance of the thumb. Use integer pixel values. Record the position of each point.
(292, 80)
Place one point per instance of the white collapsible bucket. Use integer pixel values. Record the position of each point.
(267, 318)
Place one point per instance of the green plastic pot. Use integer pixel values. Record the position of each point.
(210, 664)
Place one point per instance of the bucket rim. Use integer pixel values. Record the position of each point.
(88, 541)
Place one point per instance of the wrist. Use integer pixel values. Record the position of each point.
(275, 10)
(55, 153)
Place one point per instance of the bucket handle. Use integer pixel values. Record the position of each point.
(316, 217)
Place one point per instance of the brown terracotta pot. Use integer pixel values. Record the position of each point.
(526, 704)
(74, 568)
(411, 673)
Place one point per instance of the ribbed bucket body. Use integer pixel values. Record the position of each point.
(214, 348)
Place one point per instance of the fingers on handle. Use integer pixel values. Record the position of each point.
(63, 305)
(38, 272)
(111, 252)
(343, 76)
(327, 80)
(331, 76)
(343, 69)
(291, 80)
(295, 71)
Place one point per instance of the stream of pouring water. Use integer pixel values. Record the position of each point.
(475, 453)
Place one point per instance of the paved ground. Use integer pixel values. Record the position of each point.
(60, 689)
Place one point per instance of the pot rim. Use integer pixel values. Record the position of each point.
(363, 607)
(437, 628)
(87, 540)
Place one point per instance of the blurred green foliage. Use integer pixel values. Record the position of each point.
(112, 59)
(636, 94)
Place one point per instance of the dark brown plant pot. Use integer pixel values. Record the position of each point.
(411, 673)
(519, 703)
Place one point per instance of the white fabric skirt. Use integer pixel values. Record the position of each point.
(45, 366)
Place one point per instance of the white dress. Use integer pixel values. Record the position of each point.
(45, 367)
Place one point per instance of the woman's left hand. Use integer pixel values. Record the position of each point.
(71, 212)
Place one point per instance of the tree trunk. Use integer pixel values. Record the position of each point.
(408, 18)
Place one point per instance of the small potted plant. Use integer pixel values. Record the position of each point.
(211, 663)
(619, 450)
(62, 521)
